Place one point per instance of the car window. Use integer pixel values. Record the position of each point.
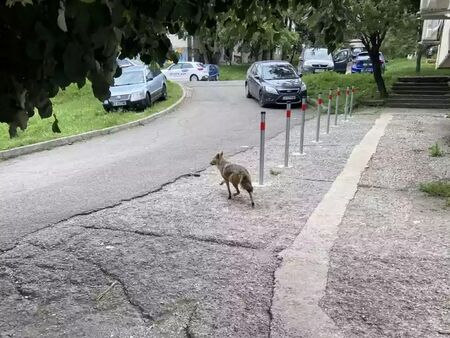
(317, 54)
(177, 66)
(278, 72)
(149, 75)
(187, 65)
(128, 78)
(341, 56)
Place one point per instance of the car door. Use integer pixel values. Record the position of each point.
(256, 80)
(174, 72)
(158, 80)
(188, 70)
(151, 85)
(252, 84)
(341, 60)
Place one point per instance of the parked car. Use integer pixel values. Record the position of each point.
(274, 82)
(315, 60)
(213, 71)
(187, 71)
(363, 64)
(342, 58)
(137, 87)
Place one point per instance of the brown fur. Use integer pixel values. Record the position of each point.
(234, 174)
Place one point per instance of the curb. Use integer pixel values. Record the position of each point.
(47, 145)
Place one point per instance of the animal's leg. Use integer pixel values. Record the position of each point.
(229, 191)
(251, 198)
(236, 186)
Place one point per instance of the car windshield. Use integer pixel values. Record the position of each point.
(278, 72)
(317, 54)
(128, 78)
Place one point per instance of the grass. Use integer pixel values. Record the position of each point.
(437, 189)
(365, 83)
(234, 72)
(78, 111)
(436, 151)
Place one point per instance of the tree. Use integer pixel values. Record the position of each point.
(49, 44)
(370, 20)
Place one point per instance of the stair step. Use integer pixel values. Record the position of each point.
(424, 79)
(416, 105)
(418, 100)
(420, 91)
(421, 85)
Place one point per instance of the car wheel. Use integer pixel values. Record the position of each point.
(247, 92)
(261, 99)
(193, 78)
(164, 93)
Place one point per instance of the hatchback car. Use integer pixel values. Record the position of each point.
(274, 82)
(315, 60)
(137, 87)
(187, 71)
(363, 64)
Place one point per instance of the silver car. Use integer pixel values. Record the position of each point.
(315, 60)
(138, 87)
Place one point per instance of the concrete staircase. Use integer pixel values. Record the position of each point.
(420, 92)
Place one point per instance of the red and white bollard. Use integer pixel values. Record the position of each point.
(302, 126)
(262, 128)
(351, 101)
(347, 94)
(319, 106)
(338, 94)
(288, 135)
(330, 98)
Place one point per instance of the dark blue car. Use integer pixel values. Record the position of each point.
(213, 72)
(363, 64)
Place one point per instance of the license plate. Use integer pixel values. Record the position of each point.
(320, 70)
(118, 103)
(288, 98)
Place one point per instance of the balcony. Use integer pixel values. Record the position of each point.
(435, 9)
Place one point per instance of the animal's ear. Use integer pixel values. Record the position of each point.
(221, 154)
(217, 156)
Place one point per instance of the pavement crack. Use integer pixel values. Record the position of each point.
(227, 242)
(140, 308)
(187, 328)
(272, 294)
(317, 180)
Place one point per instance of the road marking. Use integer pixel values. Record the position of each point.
(301, 279)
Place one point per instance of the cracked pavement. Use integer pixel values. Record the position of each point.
(181, 261)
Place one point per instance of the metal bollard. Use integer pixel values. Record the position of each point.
(338, 94)
(347, 93)
(351, 101)
(330, 97)
(262, 129)
(319, 106)
(302, 126)
(288, 135)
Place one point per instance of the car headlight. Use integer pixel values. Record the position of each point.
(270, 90)
(303, 87)
(137, 96)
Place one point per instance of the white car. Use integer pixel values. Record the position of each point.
(187, 71)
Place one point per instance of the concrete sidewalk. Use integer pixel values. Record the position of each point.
(185, 261)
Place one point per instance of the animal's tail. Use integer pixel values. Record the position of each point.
(246, 183)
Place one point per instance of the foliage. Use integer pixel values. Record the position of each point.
(436, 151)
(369, 20)
(49, 44)
(79, 111)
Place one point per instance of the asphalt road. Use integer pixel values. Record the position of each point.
(44, 188)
